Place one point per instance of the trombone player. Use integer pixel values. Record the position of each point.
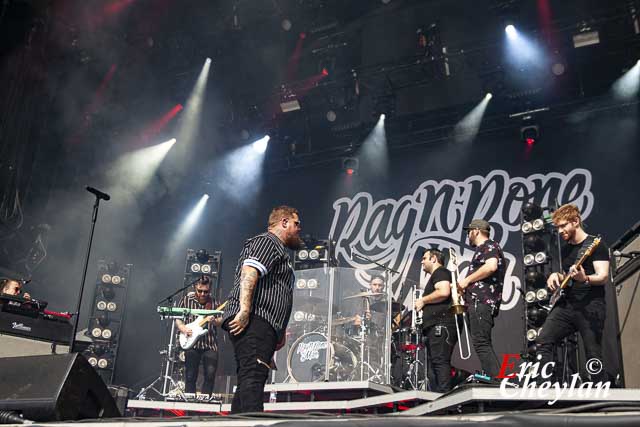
(438, 322)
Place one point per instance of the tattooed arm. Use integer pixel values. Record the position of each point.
(248, 280)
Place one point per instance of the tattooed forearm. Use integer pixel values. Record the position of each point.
(248, 281)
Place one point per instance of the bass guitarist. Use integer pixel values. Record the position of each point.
(205, 349)
(582, 308)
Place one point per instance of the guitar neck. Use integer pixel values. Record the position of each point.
(582, 259)
(204, 320)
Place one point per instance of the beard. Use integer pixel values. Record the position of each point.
(294, 242)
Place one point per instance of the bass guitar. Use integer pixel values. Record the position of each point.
(561, 291)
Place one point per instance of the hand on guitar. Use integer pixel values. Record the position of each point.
(419, 304)
(578, 274)
(553, 282)
(239, 323)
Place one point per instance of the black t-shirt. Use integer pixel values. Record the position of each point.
(433, 314)
(571, 254)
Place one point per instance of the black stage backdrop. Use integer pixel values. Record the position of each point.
(424, 198)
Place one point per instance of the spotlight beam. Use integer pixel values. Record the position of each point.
(467, 129)
(626, 87)
(184, 230)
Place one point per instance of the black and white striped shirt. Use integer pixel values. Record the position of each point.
(273, 296)
(209, 341)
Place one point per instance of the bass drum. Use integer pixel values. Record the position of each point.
(307, 359)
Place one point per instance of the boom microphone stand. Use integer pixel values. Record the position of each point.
(94, 217)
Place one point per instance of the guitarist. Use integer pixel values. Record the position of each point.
(205, 350)
(583, 307)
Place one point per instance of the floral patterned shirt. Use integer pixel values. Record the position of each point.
(489, 290)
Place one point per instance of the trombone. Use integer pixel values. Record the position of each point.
(458, 308)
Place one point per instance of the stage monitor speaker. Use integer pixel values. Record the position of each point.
(55, 387)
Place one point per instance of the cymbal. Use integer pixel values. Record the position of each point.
(382, 306)
(365, 295)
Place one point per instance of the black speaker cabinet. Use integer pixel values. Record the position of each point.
(54, 387)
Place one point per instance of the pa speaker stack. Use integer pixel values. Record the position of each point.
(55, 387)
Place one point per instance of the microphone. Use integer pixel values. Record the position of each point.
(99, 194)
(630, 254)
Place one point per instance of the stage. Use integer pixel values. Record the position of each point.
(468, 404)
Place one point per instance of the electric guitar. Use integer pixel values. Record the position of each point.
(561, 291)
(197, 329)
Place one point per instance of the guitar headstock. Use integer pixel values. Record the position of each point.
(593, 246)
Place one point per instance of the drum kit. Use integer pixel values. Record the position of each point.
(355, 349)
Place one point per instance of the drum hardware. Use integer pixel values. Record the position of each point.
(458, 307)
(365, 294)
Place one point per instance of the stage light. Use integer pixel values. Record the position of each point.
(96, 332)
(107, 292)
(195, 268)
(531, 211)
(101, 305)
(530, 134)
(541, 258)
(116, 280)
(206, 268)
(103, 363)
(106, 333)
(534, 243)
(383, 117)
(542, 294)
(299, 316)
(303, 254)
(301, 284)
(325, 72)
(103, 319)
(286, 24)
(350, 165)
(106, 278)
(527, 227)
(530, 297)
(529, 259)
(537, 315)
(331, 116)
(112, 306)
(532, 334)
(312, 284)
(534, 278)
(314, 254)
(511, 31)
(93, 361)
(488, 96)
(260, 146)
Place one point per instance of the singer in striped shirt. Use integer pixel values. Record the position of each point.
(260, 305)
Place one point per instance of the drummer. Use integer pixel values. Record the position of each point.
(375, 307)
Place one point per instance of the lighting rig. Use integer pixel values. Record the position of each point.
(541, 257)
(107, 317)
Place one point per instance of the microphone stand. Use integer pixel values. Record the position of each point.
(94, 218)
(169, 299)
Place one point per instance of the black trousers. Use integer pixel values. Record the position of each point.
(192, 359)
(253, 348)
(439, 341)
(566, 318)
(480, 327)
